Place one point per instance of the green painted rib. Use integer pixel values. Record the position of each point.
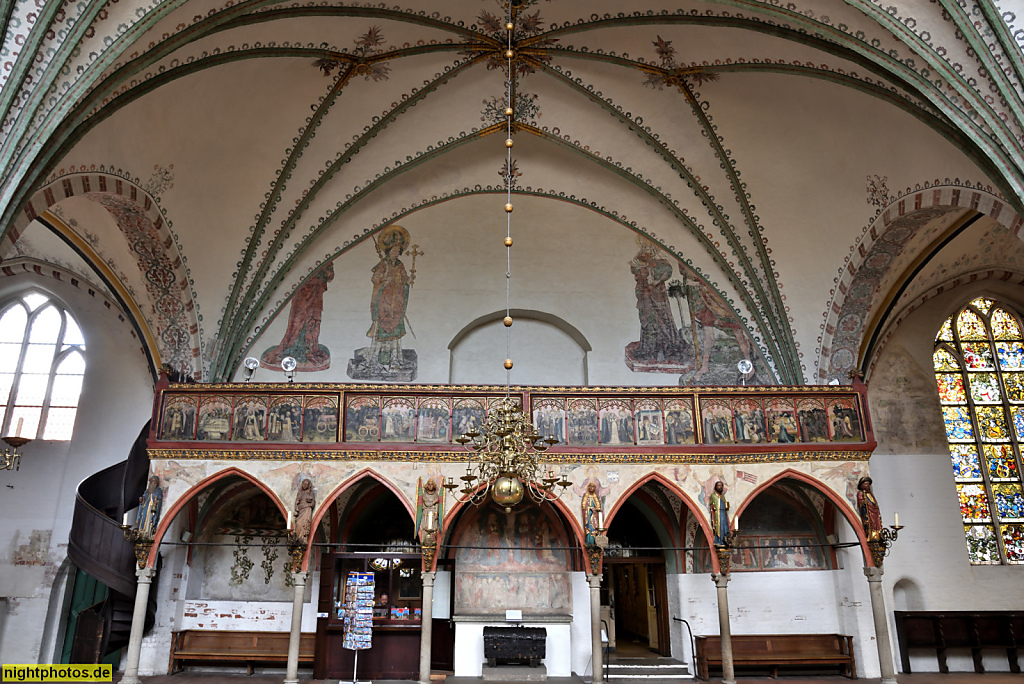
(500, 191)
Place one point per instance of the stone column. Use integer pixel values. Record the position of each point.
(131, 667)
(728, 672)
(291, 675)
(427, 625)
(597, 648)
(885, 663)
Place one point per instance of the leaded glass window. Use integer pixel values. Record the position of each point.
(42, 363)
(979, 369)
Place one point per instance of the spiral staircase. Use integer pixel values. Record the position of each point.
(98, 547)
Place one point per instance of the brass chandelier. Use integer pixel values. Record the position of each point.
(505, 457)
(11, 458)
(507, 460)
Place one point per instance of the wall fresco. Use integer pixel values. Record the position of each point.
(512, 560)
(702, 340)
(386, 359)
(301, 339)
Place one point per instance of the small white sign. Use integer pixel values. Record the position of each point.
(322, 615)
(513, 616)
(613, 476)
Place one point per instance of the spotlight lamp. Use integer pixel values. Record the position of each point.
(251, 363)
(288, 365)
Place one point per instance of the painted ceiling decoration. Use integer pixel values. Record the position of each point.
(750, 143)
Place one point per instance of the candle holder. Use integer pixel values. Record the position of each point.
(595, 551)
(11, 457)
(143, 544)
(880, 546)
(724, 551)
(296, 550)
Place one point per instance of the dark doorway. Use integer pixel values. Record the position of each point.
(634, 588)
(370, 536)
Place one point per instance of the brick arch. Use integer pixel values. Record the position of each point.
(856, 288)
(174, 320)
(168, 516)
(348, 483)
(673, 487)
(561, 508)
(839, 502)
(1012, 277)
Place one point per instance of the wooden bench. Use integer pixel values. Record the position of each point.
(975, 630)
(774, 651)
(225, 647)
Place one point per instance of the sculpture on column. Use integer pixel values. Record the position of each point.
(867, 506)
(305, 502)
(149, 508)
(879, 538)
(719, 508)
(429, 512)
(595, 540)
(298, 536)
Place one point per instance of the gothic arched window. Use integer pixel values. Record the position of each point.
(42, 363)
(979, 368)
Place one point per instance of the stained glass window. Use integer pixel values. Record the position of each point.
(42, 364)
(979, 371)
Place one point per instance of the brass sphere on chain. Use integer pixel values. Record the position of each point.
(510, 53)
(508, 207)
(508, 242)
(509, 26)
(508, 364)
(508, 111)
(509, 142)
(508, 321)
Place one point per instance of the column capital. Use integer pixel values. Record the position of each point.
(721, 580)
(873, 574)
(299, 578)
(428, 578)
(594, 581)
(145, 575)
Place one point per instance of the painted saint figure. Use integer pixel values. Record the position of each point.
(719, 508)
(390, 297)
(660, 339)
(149, 508)
(384, 358)
(591, 505)
(867, 505)
(305, 502)
(302, 337)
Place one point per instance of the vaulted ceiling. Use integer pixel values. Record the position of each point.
(824, 165)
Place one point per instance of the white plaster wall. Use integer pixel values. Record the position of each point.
(38, 500)
(175, 611)
(791, 602)
(579, 629)
(913, 476)
(469, 647)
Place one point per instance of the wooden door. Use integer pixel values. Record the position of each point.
(663, 609)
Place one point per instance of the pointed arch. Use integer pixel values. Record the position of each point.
(168, 516)
(852, 344)
(560, 507)
(839, 502)
(171, 333)
(673, 487)
(345, 485)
